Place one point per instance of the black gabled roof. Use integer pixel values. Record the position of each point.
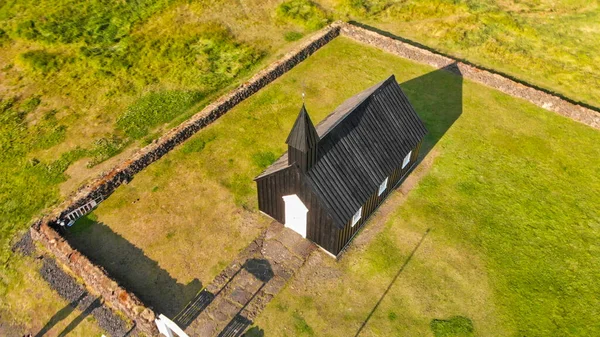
(303, 135)
(361, 143)
(367, 138)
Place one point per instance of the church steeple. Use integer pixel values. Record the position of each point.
(302, 142)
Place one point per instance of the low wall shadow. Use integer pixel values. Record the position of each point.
(130, 267)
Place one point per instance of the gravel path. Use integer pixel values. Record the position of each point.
(73, 292)
(25, 245)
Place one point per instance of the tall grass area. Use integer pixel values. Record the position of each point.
(511, 203)
(305, 13)
(82, 81)
(552, 44)
(89, 53)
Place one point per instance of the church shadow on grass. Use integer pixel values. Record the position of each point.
(437, 97)
(131, 268)
(438, 100)
(479, 66)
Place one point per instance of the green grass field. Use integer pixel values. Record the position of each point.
(510, 201)
(509, 197)
(84, 84)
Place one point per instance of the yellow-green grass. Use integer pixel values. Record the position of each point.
(63, 93)
(509, 199)
(47, 312)
(550, 43)
(511, 203)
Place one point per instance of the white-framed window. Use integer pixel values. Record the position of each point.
(356, 216)
(406, 159)
(382, 187)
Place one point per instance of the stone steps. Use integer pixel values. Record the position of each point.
(229, 304)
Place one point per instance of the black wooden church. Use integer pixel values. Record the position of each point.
(335, 175)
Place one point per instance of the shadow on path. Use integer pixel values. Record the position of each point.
(224, 310)
(194, 308)
(261, 269)
(131, 268)
(60, 315)
(393, 281)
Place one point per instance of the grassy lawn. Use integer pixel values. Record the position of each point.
(510, 201)
(550, 43)
(84, 84)
(48, 313)
(509, 198)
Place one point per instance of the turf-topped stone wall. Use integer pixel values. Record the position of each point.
(538, 97)
(95, 277)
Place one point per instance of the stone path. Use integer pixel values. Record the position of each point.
(227, 306)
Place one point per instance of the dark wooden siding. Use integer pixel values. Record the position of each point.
(363, 148)
(345, 235)
(320, 228)
(305, 160)
(273, 187)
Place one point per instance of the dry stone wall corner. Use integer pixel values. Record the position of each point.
(95, 277)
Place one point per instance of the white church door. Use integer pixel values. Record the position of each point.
(295, 214)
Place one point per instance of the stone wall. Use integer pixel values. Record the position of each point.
(538, 97)
(96, 279)
(119, 298)
(95, 276)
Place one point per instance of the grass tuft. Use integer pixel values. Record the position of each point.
(292, 36)
(456, 326)
(42, 61)
(262, 159)
(155, 108)
(304, 13)
(300, 326)
(105, 148)
(196, 145)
